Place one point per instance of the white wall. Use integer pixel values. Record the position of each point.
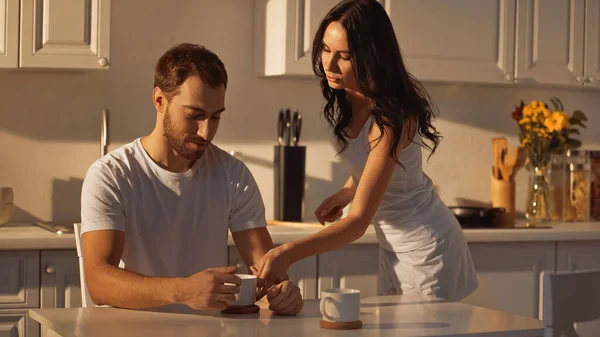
(50, 120)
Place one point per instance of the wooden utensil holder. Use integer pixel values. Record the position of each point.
(503, 195)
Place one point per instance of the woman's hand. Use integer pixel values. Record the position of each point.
(331, 208)
(272, 269)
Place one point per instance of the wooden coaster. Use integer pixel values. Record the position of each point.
(250, 309)
(341, 325)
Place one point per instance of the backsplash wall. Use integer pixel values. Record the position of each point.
(50, 120)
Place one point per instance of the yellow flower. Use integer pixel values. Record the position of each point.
(527, 111)
(557, 121)
(534, 104)
(524, 120)
(528, 127)
(545, 112)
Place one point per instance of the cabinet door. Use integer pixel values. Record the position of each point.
(509, 275)
(61, 286)
(353, 266)
(17, 323)
(19, 279)
(65, 34)
(458, 41)
(302, 273)
(284, 35)
(550, 42)
(576, 256)
(592, 43)
(9, 33)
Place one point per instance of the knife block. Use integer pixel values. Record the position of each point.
(289, 171)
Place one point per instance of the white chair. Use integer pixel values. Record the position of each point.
(570, 298)
(86, 300)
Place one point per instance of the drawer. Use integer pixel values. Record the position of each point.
(17, 323)
(19, 279)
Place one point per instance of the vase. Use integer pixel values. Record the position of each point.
(539, 199)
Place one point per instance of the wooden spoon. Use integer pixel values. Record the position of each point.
(510, 161)
(498, 146)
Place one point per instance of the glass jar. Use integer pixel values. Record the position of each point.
(576, 200)
(557, 176)
(595, 189)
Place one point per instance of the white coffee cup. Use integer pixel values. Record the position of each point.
(340, 305)
(247, 295)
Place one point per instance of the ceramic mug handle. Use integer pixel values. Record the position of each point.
(324, 300)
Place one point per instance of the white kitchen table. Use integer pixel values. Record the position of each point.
(381, 316)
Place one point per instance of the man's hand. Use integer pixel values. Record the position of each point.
(285, 299)
(207, 289)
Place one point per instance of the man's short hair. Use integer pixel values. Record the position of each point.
(184, 60)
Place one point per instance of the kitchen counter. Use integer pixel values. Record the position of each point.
(584, 231)
(381, 316)
(22, 236)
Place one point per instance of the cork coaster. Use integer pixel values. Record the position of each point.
(341, 325)
(250, 309)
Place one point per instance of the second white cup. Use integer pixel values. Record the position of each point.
(340, 305)
(247, 295)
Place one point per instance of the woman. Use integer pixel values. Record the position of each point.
(379, 115)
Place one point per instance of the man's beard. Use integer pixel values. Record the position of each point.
(177, 140)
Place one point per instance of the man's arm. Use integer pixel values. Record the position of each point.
(252, 244)
(110, 285)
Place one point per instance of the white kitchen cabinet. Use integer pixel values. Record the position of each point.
(592, 44)
(550, 42)
(530, 42)
(19, 279)
(457, 41)
(509, 275)
(575, 256)
(352, 266)
(19, 291)
(9, 33)
(284, 34)
(302, 273)
(60, 282)
(17, 323)
(72, 34)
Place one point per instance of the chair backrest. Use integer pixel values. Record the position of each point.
(569, 298)
(86, 300)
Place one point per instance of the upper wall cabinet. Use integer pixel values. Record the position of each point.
(551, 42)
(68, 34)
(9, 33)
(592, 44)
(284, 35)
(459, 41)
(65, 34)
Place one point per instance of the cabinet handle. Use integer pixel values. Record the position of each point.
(579, 79)
(103, 62)
(508, 77)
(50, 269)
(589, 80)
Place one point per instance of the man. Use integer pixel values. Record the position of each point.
(163, 204)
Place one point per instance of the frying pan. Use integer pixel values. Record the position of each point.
(476, 217)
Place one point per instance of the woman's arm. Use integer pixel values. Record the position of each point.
(373, 183)
(369, 192)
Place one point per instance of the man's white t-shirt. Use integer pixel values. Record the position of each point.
(175, 224)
